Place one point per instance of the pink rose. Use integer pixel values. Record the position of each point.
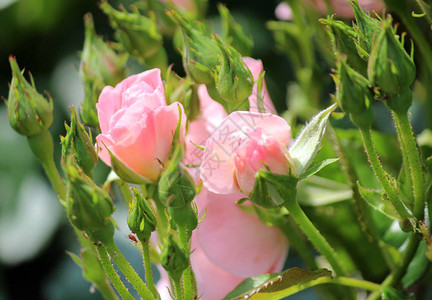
(212, 114)
(243, 144)
(340, 7)
(137, 126)
(187, 5)
(229, 246)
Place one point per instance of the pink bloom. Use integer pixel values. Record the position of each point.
(188, 5)
(212, 114)
(283, 12)
(229, 246)
(137, 126)
(340, 7)
(243, 144)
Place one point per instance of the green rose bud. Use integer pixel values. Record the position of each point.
(137, 34)
(176, 188)
(234, 81)
(390, 67)
(80, 143)
(100, 66)
(353, 94)
(233, 33)
(200, 54)
(343, 38)
(88, 206)
(141, 219)
(30, 114)
(367, 28)
(185, 217)
(173, 259)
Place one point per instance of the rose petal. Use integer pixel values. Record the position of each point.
(238, 242)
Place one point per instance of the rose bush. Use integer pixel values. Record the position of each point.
(137, 126)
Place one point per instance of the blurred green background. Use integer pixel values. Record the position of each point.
(46, 36)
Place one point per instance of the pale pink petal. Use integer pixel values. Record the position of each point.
(213, 282)
(109, 103)
(211, 111)
(283, 12)
(238, 242)
(217, 168)
(272, 124)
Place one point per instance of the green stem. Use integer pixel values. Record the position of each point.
(112, 274)
(412, 155)
(405, 160)
(357, 283)
(314, 235)
(147, 269)
(42, 147)
(189, 283)
(127, 270)
(395, 276)
(178, 289)
(383, 177)
(106, 290)
(298, 241)
(367, 223)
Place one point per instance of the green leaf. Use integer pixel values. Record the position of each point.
(377, 200)
(249, 284)
(390, 293)
(307, 143)
(271, 190)
(317, 167)
(286, 283)
(417, 267)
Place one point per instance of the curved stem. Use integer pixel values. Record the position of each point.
(147, 269)
(42, 147)
(112, 274)
(411, 153)
(314, 235)
(383, 177)
(395, 276)
(128, 271)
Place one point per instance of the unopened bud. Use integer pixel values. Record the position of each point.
(141, 219)
(30, 114)
(88, 206)
(80, 143)
(390, 67)
(343, 38)
(173, 259)
(368, 29)
(200, 53)
(234, 80)
(137, 34)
